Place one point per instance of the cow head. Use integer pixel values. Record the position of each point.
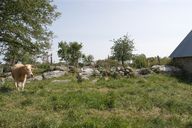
(28, 68)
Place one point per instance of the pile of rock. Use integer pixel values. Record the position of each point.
(166, 69)
(85, 73)
(61, 68)
(122, 71)
(53, 74)
(57, 71)
(143, 71)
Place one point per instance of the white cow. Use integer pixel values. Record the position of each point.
(20, 73)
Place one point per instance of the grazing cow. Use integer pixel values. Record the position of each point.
(20, 73)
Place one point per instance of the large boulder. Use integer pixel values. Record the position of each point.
(53, 74)
(7, 74)
(2, 80)
(143, 71)
(61, 68)
(96, 73)
(128, 71)
(38, 77)
(9, 78)
(122, 71)
(165, 69)
(73, 69)
(81, 77)
(87, 71)
(105, 72)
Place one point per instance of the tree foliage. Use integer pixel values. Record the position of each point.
(158, 61)
(70, 52)
(87, 60)
(140, 61)
(24, 24)
(122, 49)
(14, 55)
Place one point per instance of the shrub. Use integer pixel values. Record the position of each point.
(165, 61)
(44, 66)
(108, 63)
(40, 68)
(158, 61)
(140, 61)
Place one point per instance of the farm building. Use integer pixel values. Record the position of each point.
(182, 55)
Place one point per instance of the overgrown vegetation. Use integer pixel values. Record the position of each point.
(140, 61)
(158, 61)
(154, 101)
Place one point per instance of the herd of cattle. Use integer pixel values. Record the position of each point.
(20, 73)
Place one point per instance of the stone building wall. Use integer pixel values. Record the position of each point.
(185, 63)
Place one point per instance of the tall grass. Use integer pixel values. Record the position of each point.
(156, 101)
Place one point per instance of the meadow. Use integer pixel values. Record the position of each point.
(155, 101)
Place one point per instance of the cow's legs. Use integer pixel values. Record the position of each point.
(23, 84)
(17, 85)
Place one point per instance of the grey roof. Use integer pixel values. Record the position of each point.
(184, 49)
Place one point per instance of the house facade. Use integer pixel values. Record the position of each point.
(182, 55)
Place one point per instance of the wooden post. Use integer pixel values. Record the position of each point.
(158, 59)
(51, 58)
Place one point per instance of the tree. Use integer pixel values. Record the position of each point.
(17, 54)
(140, 61)
(90, 59)
(24, 24)
(70, 52)
(45, 54)
(122, 49)
(87, 60)
(63, 51)
(11, 57)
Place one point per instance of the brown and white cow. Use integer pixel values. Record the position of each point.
(20, 73)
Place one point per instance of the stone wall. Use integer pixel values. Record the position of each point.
(185, 63)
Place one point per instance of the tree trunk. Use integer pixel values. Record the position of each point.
(13, 61)
(122, 61)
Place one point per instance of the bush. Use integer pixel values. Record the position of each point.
(165, 61)
(108, 63)
(140, 61)
(44, 66)
(105, 66)
(158, 61)
(40, 68)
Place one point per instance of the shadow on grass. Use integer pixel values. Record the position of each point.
(189, 125)
(183, 77)
(5, 89)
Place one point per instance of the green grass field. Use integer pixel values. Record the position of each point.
(157, 101)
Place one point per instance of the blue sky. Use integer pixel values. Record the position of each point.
(157, 26)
